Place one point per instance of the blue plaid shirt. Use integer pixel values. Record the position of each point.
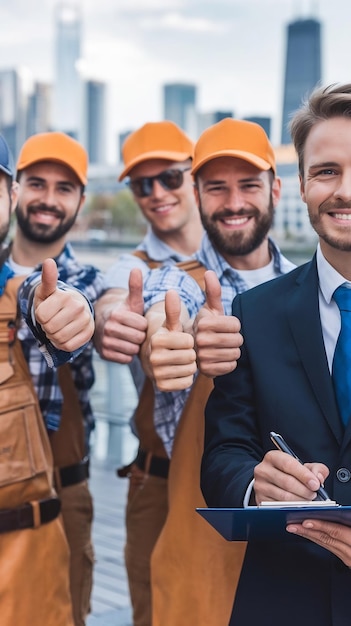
(90, 282)
(118, 276)
(169, 405)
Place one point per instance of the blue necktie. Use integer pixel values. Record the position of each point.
(341, 370)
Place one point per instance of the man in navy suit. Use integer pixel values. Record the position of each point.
(283, 383)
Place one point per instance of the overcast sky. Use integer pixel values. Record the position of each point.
(233, 50)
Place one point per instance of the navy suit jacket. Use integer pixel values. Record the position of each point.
(282, 383)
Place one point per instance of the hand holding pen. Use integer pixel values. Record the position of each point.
(281, 444)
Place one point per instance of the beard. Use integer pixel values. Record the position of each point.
(338, 243)
(43, 233)
(238, 243)
(4, 229)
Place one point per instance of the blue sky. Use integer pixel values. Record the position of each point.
(233, 50)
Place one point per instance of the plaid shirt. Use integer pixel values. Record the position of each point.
(90, 282)
(169, 405)
(117, 276)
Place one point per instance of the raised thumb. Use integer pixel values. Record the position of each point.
(213, 293)
(49, 276)
(135, 297)
(172, 310)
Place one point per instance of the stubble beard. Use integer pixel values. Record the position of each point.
(338, 243)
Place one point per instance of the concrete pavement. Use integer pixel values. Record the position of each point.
(110, 598)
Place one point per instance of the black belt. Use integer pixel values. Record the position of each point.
(74, 474)
(24, 516)
(159, 466)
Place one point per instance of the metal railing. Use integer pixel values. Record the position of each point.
(113, 399)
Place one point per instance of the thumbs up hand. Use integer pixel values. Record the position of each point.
(217, 336)
(120, 323)
(172, 356)
(64, 316)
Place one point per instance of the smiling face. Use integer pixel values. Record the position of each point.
(236, 202)
(326, 185)
(167, 211)
(50, 197)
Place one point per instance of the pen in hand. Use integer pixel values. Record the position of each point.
(283, 446)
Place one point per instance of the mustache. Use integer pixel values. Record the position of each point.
(44, 208)
(328, 206)
(220, 215)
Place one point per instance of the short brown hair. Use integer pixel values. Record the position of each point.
(323, 103)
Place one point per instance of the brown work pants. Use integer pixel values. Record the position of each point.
(34, 584)
(145, 516)
(77, 513)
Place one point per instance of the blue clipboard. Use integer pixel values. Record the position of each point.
(262, 524)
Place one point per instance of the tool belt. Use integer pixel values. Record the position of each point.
(72, 474)
(147, 463)
(29, 515)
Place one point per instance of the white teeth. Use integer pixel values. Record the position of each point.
(342, 216)
(236, 220)
(166, 207)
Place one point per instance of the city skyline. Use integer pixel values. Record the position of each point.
(233, 51)
(303, 67)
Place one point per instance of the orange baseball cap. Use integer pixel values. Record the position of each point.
(55, 146)
(155, 140)
(234, 138)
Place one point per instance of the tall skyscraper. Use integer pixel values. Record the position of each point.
(180, 106)
(303, 67)
(39, 109)
(67, 87)
(12, 109)
(95, 120)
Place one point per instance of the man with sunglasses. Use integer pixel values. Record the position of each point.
(194, 571)
(157, 159)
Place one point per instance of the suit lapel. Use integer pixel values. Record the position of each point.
(304, 320)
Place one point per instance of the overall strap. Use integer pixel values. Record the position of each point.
(141, 254)
(10, 349)
(195, 269)
(68, 442)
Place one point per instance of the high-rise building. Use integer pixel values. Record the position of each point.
(95, 121)
(39, 109)
(67, 83)
(265, 122)
(12, 109)
(180, 106)
(302, 69)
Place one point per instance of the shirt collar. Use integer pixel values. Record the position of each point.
(329, 278)
(209, 257)
(158, 250)
(66, 256)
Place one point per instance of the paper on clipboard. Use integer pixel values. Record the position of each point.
(269, 523)
(274, 504)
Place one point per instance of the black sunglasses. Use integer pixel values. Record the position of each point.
(169, 179)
